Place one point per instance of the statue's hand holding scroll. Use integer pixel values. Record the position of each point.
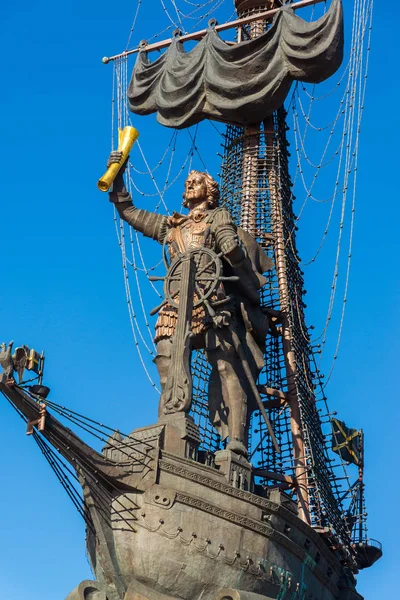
(127, 137)
(115, 158)
(150, 224)
(118, 183)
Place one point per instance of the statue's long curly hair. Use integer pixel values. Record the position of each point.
(213, 194)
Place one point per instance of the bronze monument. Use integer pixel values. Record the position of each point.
(169, 513)
(212, 302)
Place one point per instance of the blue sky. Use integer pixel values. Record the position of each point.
(62, 287)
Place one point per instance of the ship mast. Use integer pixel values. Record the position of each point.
(255, 173)
(251, 158)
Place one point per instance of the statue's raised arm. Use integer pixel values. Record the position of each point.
(151, 224)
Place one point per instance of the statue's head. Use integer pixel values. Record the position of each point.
(199, 187)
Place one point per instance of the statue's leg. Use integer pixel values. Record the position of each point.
(232, 407)
(163, 363)
(230, 398)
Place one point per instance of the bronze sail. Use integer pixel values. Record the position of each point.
(238, 84)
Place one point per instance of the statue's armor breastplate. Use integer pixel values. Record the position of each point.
(193, 234)
(187, 236)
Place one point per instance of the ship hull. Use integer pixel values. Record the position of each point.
(190, 532)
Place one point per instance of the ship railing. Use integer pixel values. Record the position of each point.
(374, 543)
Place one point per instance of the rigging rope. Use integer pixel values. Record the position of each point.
(107, 502)
(139, 4)
(350, 110)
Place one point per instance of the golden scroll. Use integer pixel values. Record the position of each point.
(126, 139)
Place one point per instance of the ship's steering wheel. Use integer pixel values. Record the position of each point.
(208, 275)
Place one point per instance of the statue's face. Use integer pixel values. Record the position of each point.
(195, 189)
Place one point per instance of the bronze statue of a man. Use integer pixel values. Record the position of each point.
(236, 313)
